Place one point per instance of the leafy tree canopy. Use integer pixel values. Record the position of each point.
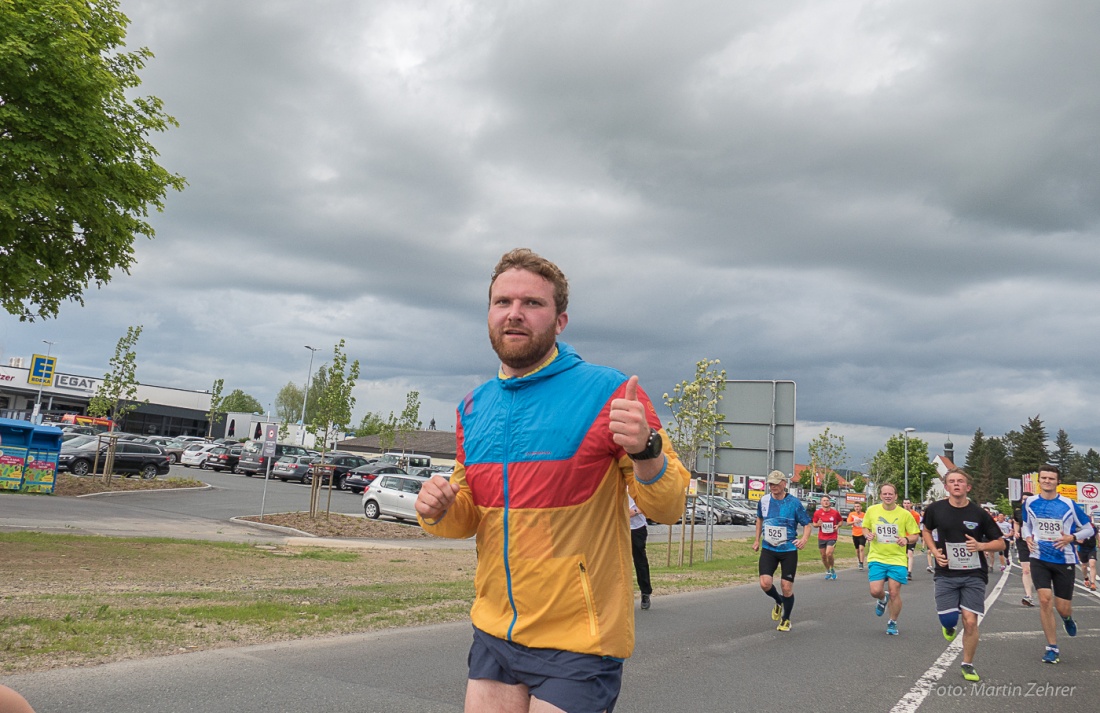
(77, 174)
(239, 402)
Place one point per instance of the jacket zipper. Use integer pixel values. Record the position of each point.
(588, 600)
(506, 524)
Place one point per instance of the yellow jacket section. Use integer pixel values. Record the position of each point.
(571, 570)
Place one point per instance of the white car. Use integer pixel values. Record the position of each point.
(196, 453)
(393, 495)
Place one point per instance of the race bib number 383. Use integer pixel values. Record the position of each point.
(958, 557)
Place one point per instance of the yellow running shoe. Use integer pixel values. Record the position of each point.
(777, 612)
(784, 625)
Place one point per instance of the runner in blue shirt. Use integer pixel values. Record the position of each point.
(1052, 522)
(778, 516)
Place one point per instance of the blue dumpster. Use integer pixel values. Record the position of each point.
(15, 441)
(40, 475)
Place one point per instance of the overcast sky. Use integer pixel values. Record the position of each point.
(893, 204)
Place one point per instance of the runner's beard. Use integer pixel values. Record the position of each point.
(523, 354)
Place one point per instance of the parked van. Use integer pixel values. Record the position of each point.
(252, 456)
(409, 461)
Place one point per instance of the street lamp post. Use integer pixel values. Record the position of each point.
(305, 396)
(38, 399)
(907, 432)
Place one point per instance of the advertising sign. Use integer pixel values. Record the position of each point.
(42, 370)
(1070, 491)
(1088, 495)
(757, 487)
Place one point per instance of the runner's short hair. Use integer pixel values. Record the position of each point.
(527, 259)
(1050, 469)
(888, 485)
(961, 472)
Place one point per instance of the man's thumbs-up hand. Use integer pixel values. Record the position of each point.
(629, 427)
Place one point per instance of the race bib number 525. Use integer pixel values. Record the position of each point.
(775, 534)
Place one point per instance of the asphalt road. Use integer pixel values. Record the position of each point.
(705, 651)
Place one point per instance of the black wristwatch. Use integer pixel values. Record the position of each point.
(652, 447)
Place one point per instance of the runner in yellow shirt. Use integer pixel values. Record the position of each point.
(889, 530)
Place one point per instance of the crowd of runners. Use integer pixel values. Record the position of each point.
(963, 542)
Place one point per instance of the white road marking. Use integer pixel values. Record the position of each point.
(912, 700)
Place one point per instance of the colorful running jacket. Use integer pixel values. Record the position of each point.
(543, 486)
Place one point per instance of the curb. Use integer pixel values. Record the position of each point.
(206, 486)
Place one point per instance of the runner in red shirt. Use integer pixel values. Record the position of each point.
(827, 521)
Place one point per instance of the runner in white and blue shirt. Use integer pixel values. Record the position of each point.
(778, 515)
(1051, 523)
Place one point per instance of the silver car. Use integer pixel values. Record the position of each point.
(293, 468)
(393, 495)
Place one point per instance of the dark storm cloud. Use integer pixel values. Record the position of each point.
(892, 204)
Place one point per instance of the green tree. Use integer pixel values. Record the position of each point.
(77, 173)
(827, 455)
(409, 420)
(370, 425)
(696, 423)
(888, 465)
(1063, 455)
(117, 393)
(316, 387)
(974, 455)
(239, 402)
(288, 403)
(1028, 447)
(994, 473)
(1076, 470)
(215, 406)
(1092, 465)
(334, 407)
(387, 436)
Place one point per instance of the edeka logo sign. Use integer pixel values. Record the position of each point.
(76, 383)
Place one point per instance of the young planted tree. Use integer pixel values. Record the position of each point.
(696, 422)
(215, 406)
(827, 455)
(334, 407)
(117, 393)
(409, 420)
(77, 172)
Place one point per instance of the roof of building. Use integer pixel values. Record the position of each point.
(437, 444)
(943, 464)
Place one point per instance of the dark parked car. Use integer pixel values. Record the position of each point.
(223, 458)
(171, 446)
(359, 479)
(131, 458)
(252, 456)
(341, 463)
